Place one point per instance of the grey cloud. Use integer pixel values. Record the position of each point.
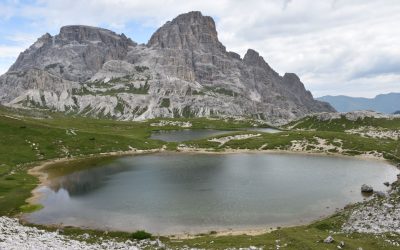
(381, 66)
(285, 4)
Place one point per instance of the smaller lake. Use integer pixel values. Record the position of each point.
(186, 134)
(170, 193)
(265, 130)
(194, 134)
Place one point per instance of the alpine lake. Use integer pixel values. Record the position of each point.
(172, 193)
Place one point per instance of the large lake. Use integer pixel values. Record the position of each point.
(170, 193)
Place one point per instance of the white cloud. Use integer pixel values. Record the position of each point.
(10, 51)
(336, 46)
(8, 54)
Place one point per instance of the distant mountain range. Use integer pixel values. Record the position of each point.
(385, 103)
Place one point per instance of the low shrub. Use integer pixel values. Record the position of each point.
(140, 235)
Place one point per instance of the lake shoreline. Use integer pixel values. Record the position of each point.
(42, 176)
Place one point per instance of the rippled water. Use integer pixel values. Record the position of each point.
(172, 193)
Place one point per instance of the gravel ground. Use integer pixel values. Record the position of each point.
(13, 235)
(380, 215)
(223, 140)
(376, 132)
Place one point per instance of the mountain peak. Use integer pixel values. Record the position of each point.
(193, 17)
(74, 62)
(292, 77)
(190, 31)
(81, 33)
(183, 62)
(253, 58)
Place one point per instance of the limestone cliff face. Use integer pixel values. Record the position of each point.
(191, 31)
(183, 71)
(75, 54)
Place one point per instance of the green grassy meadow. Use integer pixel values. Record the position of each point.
(28, 138)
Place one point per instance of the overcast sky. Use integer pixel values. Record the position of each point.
(349, 47)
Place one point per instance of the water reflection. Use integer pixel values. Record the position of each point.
(85, 181)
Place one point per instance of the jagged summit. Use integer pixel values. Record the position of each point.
(187, 31)
(292, 77)
(253, 58)
(76, 53)
(183, 71)
(82, 33)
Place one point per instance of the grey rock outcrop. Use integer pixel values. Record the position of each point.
(329, 239)
(183, 71)
(366, 189)
(352, 116)
(75, 54)
(191, 31)
(379, 194)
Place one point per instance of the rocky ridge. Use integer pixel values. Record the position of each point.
(384, 103)
(353, 115)
(183, 71)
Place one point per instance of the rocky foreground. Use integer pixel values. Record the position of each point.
(377, 216)
(13, 235)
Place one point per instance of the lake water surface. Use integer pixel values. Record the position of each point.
(170, 193)
(186, 134)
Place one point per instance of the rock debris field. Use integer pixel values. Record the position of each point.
(13, 235)
(377, 216)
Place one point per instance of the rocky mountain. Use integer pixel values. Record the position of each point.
(183, 71)
(385, 103)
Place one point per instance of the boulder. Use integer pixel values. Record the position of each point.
(329, 239)
(366, 189)
(387, 205)
(379, 194)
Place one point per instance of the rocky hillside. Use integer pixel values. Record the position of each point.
(183, 71)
